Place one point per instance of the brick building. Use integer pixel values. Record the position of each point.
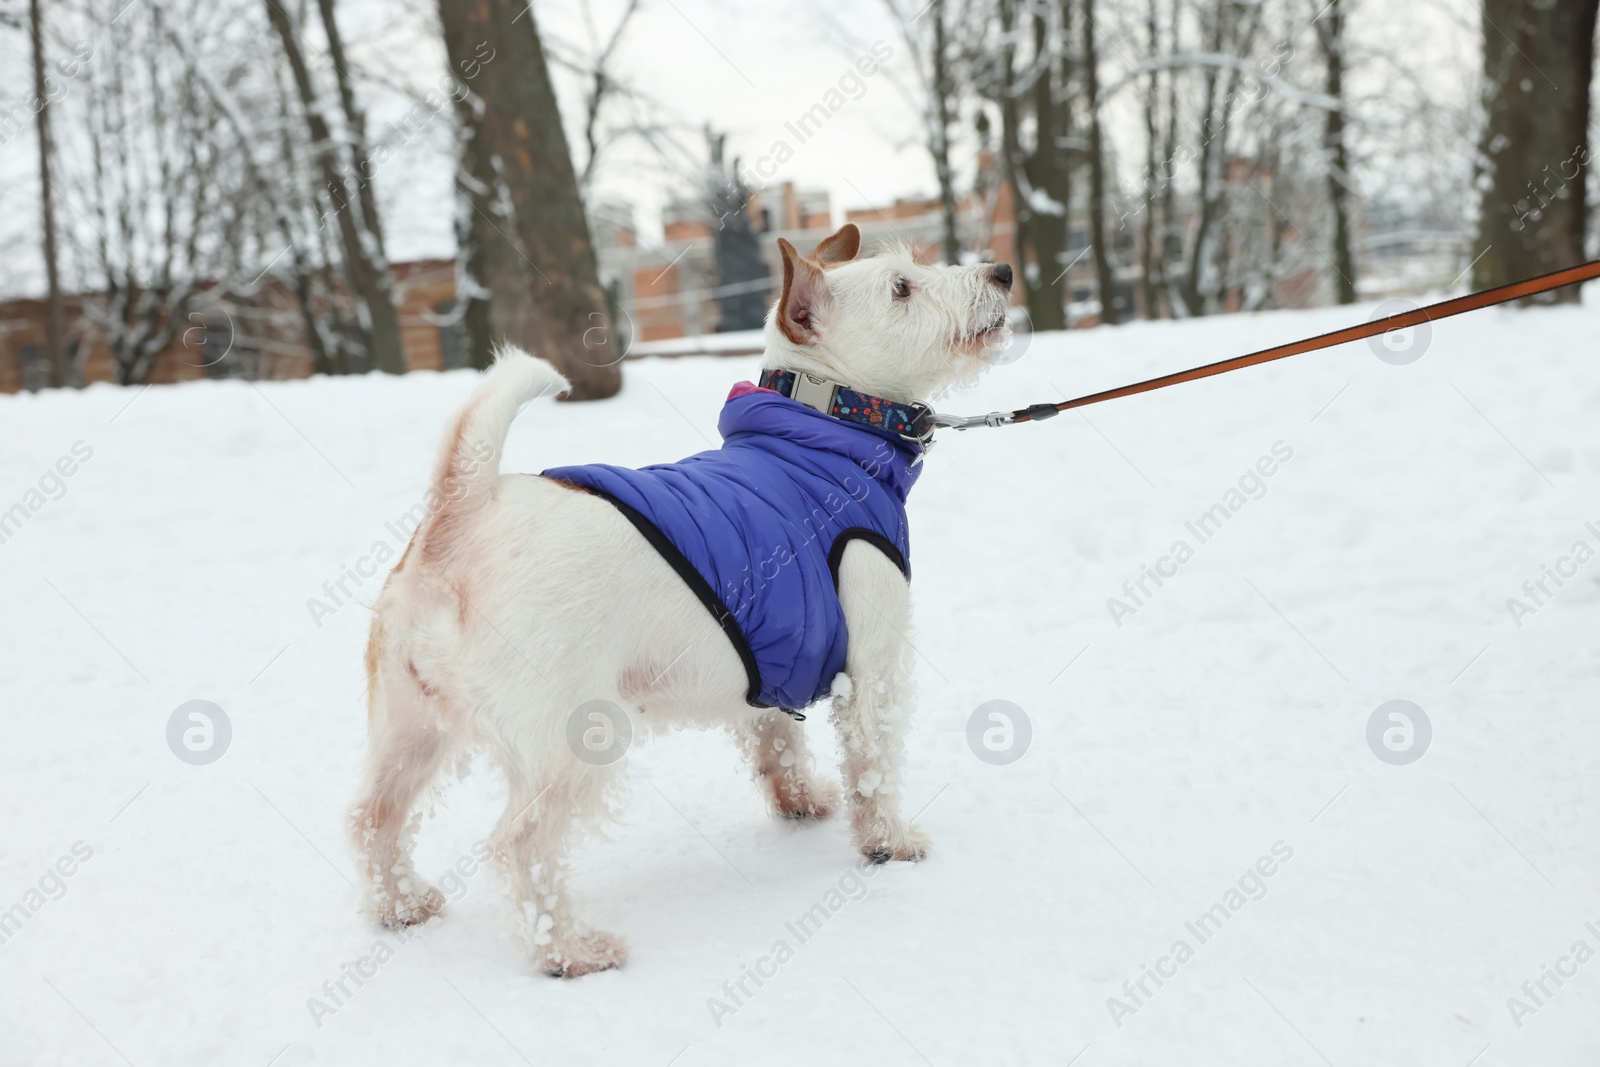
(670, 291)
(426, 290)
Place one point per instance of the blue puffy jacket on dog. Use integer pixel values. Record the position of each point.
(758, 526)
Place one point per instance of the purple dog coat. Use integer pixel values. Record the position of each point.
(757, 528)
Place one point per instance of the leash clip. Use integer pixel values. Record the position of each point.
(968, 422)
(936, 421)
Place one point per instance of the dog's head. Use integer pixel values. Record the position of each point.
(887, 324)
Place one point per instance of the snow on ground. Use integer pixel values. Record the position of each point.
(1220, 730)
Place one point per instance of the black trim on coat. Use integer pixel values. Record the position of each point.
(871, 537)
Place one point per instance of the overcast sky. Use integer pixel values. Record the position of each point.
(746, 66)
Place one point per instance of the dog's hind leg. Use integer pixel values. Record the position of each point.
(784, 767)
(405, 750)
(531, 842)
(872, 704)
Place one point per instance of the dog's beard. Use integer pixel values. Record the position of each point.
(979, 342)
(996, 337)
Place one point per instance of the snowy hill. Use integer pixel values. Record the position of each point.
(1199, 772)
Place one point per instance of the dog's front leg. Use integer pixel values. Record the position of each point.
(872, 703)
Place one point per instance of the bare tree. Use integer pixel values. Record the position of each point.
(275, 193)
(55, 324)
(355, 130)
(488, 282)
(924, 30)
(1161, 229)
(1035, 84)
(520, 125)
(1105, 283)
(1169, 252)
(1230, 30)
(601, 82)
(1331, 36)
(297, 221)
(1538, 61)
(154, 188)
(494, 289)
(365, 267)
(939, 130)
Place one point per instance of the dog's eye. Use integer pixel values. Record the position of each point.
(902, 288)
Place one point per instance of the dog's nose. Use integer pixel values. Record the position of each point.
(1001, 272)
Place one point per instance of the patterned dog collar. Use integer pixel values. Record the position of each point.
(913, 422)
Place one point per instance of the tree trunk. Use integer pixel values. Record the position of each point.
(1148, 271)
(355, 122)
(1036, 180)
(1206, 199)
(491, 271)
(327, 344)
(1105, 284)
(365, 268)
(1205, 289)
(1052, 175)
(1015, 165)
(522, 128)
(1068, 157)
(1172, 228)
(1535, 154)
(1330, 34)
(54, 325)
(475, 181)
(939, 142)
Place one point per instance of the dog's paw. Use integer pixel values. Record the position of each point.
(412, 901)
(583, 954)
(806, 799)
(910, 845)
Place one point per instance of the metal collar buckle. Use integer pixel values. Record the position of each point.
(814, 392)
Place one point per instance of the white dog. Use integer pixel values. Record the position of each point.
(522, 598)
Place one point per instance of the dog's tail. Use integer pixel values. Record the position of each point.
(469, 460)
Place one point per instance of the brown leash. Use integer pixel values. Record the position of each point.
(1442, 310)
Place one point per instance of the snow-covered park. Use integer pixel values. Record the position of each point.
(1213, 850)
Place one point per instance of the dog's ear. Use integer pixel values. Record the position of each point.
(805, 292)
(841, 247)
